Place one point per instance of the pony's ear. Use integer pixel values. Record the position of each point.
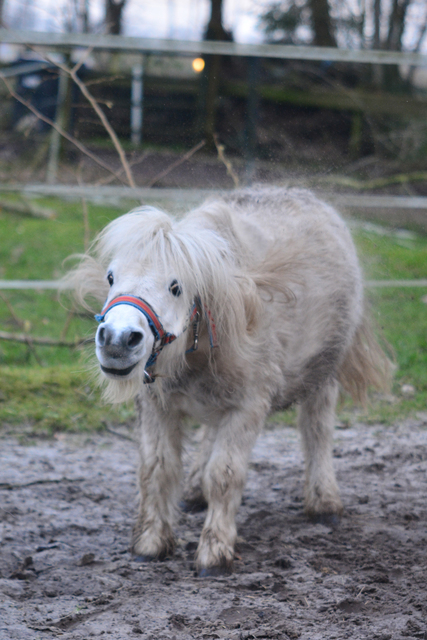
(87, 283)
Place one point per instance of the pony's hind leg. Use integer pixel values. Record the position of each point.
(159, 483)
(316, 422)
(223, 482)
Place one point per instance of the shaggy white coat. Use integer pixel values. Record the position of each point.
(278, 272)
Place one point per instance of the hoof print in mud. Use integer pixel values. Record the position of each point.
(332, 520)
(143, 558)
(215, 572)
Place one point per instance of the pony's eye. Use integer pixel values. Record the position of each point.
(174, 288)
(110, 278)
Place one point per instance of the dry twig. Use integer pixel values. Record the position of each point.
(67, 323)
(21, 324)
(376, 183)
(118, 434)
(46, 342)
(86, 227)
(8, 486)
(101, 115)
(175, 164)
(95, 105)
(132, 163)
(27, 208)
(220, 149)
(60, 130)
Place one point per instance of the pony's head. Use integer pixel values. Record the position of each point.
(158, 273)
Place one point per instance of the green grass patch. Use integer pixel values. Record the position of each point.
(48, 388)
(46, 400)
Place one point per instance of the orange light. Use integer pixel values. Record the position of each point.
(198, 64)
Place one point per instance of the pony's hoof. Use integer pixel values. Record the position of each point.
(327, 519)
(193, 506)
(214, 572)
(143, 558)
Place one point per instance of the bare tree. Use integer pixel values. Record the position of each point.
(113, 15)
(214, 31)
(84, 15)
(393, 41)
(322, 24)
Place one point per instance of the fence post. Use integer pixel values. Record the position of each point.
(55, 140)
(251, 119)
(137, 102)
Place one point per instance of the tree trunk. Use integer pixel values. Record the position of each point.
(321, 23)
(214, 31)
(396, 26)
(113, 16)
(84, 15)
(377, 69)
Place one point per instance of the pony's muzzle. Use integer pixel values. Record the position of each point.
(119, 349)
(128, 339)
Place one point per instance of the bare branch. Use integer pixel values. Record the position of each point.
(175, 164)
(8, 485)
(220, 148)
(109, 179)
(63, 133)
(86, 227)
(376, 183)
(27, 208)
(82, 60)
(67, 323)
(21, 325)
(101, 115)
(46, 342)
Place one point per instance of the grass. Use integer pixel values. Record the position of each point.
(48, 389)
(51, 399)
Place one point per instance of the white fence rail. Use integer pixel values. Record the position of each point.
(143, 194)
(53, 40)
(42, 285)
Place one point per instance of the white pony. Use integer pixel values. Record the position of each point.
(246, 305)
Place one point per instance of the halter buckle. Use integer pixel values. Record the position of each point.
(148, 378)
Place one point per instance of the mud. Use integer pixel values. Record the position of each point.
(67, 507)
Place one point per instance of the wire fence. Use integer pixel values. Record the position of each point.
(66, 42)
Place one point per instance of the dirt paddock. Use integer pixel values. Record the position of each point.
(67, 507)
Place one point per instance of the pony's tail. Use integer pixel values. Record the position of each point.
(365, 365)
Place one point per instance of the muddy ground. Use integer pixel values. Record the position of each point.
(67, 508)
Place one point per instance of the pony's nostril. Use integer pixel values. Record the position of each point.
(135, 337)
(101, 336)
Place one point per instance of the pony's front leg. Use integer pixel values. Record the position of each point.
(194, 499)
(159, 481)
(316, 423)
(223, 482)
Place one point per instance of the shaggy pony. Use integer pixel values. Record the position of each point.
(260, 300)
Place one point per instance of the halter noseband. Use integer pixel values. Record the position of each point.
(161, 337)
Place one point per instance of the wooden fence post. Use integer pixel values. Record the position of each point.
(60, 115)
